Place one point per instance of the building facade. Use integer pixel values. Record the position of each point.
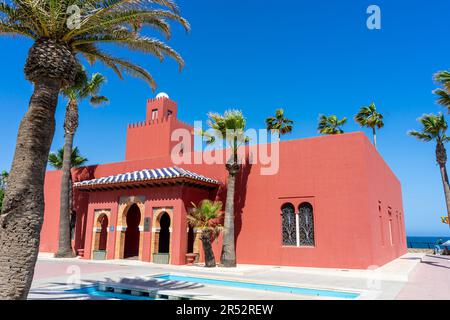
(334, 202)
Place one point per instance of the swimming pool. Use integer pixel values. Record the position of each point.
(263, 287)
(95, 292)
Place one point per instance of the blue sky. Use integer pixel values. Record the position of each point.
(306, 57)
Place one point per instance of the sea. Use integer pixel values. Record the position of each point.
(424, 242)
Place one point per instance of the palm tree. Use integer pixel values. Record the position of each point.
(443, 78)
(370, 118)
(60, 36)
(82, 89)
(331, 125)
(229, 127)
(434, 129)
(279, 123)
(205, 218)
(60, 161)
(56, 159)
(3, 182)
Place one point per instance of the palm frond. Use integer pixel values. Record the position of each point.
(97, 100)
(443, 78)
(331, 125)
(11, 29)
(206, 216)
(369, 117)
(434, 127)
(135, 19)
(279, 123)
(443, 97)
(118, 22)
(420, 135)
(119, 66)
(230, 126)
(56, 159)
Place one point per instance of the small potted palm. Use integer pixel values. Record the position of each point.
(206, 218)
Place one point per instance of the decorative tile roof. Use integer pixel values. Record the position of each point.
(146, 175)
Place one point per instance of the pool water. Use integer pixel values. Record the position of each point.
(93, 291)
(264, 287)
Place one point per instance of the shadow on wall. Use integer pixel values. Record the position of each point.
(239, 197)
(80, 200)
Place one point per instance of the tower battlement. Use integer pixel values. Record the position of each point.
(152, 138)
(150, 123)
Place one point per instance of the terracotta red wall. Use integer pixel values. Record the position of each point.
(50, 228)
(385, 203)
(154, 198)
(49, 233)
(343, 177)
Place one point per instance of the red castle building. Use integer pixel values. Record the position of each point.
(334, 202)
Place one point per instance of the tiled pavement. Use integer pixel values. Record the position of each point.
(413, 276)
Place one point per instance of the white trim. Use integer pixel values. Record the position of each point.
(141, 228)
(156, 229)
(297, 229)
(121, 228)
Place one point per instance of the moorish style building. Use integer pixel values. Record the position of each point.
(333, 203)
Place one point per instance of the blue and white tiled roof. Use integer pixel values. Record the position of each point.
(146, 175)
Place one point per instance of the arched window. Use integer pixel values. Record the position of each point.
(288, 225)
(306, 224)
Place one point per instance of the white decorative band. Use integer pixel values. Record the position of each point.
(97, 229)
(121, 228)
(141, 228)
(156, 229)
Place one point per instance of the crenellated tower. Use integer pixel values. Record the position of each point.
(152, 137)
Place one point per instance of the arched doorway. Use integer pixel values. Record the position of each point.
(191, 240)
(103, 238)
(73, 223)
(164, 234)
(132, 234)
(100, 236)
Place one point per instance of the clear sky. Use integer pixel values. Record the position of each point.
(308, 57)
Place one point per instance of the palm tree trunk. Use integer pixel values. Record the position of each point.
(65, 244)
(210, 260)
(228, 257)
(23, 207)
(374, 137)
(71, 208)
(441, 159)
(445, 183)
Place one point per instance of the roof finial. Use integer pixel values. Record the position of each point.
(162, 95)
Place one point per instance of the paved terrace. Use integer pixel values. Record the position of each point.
(413, 276)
